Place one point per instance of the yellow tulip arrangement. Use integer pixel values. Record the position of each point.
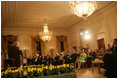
(36, 71)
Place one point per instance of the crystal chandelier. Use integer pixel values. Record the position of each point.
(45, 35)
(83, 8)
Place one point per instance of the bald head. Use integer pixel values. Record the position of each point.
(110, 45)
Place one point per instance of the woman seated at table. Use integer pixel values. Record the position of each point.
(82, 58)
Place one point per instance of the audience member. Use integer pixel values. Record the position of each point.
(82, 58)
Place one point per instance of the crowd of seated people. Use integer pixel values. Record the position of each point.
(66, 57)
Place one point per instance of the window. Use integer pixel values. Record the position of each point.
(101, 43)
(62, 46)
(38, 47)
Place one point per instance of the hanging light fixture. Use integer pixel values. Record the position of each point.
(45, 35)
(83, 8)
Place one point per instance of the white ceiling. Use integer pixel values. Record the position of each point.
(31, 14)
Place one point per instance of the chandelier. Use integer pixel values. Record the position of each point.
(45, 35)
(83, 8)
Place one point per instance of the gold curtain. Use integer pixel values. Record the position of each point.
(34, 50)
(64, 40)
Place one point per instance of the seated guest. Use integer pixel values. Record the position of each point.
(77, 54)
(15, 53)
(33, 60)
(82, 58)
(24, 61)
(44, 59)
(102, 50)
(56, 59)
(93, 54)
(51, 59)
(29, 60)
(66, 61)
(69, 57)
(89, 58)
(64, 56)
(36, 60)
(60, 59)
(48, 59)
(74, 56)
(39, 59)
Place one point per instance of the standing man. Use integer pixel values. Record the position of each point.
(15, 54)
(114, 59)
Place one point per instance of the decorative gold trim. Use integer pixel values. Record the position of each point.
(58, 40)
(6, 39)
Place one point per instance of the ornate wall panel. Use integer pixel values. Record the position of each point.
(61, 39)
(6, 39)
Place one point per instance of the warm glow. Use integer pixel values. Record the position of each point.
(87, 36)
(86, 32)
(83, 8)
(81, 33)
(46, 35)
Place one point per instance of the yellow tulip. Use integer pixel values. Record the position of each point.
(67, 65)
(2, 73)
(38, 69)
(20, 71)
(16, 70)
(34, 69)
(25, 66)
(12, 71)
(46, 67)
(51, 68)
(42, 64)
(58, 66)
(5, 72)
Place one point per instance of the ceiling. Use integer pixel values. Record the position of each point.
(31, 14)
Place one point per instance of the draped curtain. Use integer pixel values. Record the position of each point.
(61, 39)
(34, 49)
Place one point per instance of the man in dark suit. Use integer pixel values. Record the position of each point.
(56, 59)
(107, 61)
(15, 53)
(44, 59)
(39, 59)
(66, 58)
(74, 56)
(114, 59)
(93, 54)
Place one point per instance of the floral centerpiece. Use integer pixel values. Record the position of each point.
(33, 71)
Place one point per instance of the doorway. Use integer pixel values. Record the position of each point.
(101, 43)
